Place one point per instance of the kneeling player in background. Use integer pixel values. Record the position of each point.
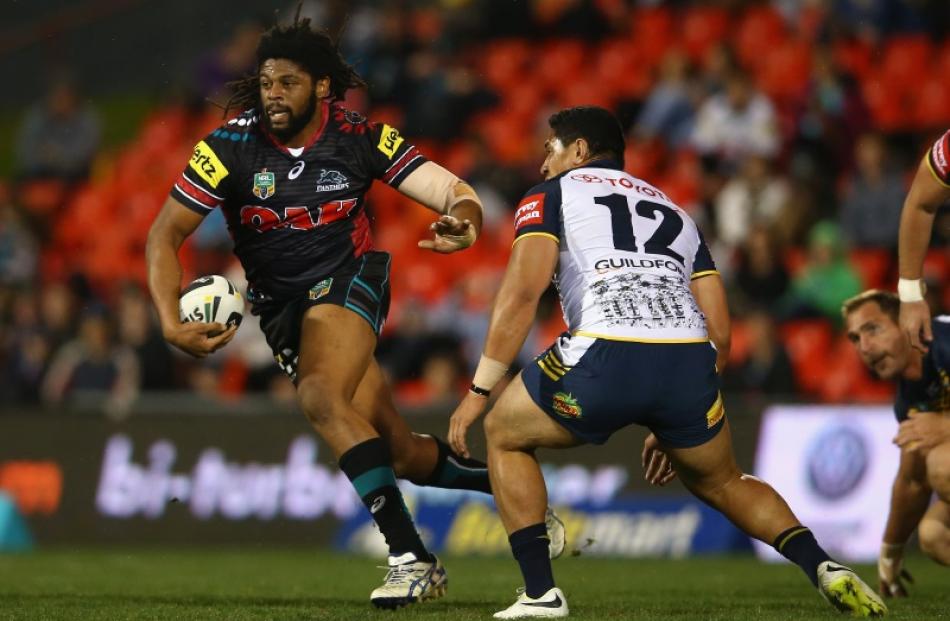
(643, 300)
(923, 409)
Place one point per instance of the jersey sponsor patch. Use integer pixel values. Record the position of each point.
(530, 211)
(207, 165)
(389, 141)
(940, 158)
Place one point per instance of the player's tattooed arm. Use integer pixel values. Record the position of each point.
(530, 268)
(171, 227)
(927, 193)
(710, 294)
(910, 497)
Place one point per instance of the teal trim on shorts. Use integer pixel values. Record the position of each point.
(367, 288)
(362, 314)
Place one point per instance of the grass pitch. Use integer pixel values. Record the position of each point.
(255, 583)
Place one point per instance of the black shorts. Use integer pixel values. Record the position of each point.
(594, 387)
(362, 286)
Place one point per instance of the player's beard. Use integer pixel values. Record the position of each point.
(295, 123)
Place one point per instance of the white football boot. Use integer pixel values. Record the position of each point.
(550, 605)
(556, 533)
(848, 593)
(409, 581)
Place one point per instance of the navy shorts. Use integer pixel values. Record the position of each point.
(594, 387)
(362, 287)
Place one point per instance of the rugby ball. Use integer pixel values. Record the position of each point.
(211, 299)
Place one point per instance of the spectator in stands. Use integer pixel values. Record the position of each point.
(871, 202)
(756, 196)
(827, 279)
(761, 276)
(18, 247)
(768, 368)
(138, 330)
(57, 313)
(59, 137)
(24, 351)
(831, 116)
(94, 364)
(669, 110)
(736, 123)
(229, 62)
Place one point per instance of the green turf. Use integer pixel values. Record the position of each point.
(274, 584)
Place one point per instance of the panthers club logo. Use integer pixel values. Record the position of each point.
(332, 180)
(566, 405)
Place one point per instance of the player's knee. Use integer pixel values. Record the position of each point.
(319, 402)
(934, 541)
(403, 456)
(496, 432)
(938, 470)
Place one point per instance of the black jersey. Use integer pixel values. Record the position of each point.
(294, 219)
(931, 393)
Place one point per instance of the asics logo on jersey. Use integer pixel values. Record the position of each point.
(296, 170)
(331, 180)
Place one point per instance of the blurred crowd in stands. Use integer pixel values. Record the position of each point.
(788, 129)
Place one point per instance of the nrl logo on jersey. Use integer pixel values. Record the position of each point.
(264, 184)
(332, 180)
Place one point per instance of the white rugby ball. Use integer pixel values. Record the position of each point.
(211, 299)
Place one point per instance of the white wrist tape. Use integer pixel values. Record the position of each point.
(891, 549)
(910, 290)
(437, 188)
(489, 373)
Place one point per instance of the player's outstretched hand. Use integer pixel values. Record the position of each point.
(465, 414)
(891, 572)
(658, 470)
(200, 339)
(915, 322)
(922, 431)
(450, 235)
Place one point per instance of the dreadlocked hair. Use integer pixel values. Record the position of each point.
(314, 50)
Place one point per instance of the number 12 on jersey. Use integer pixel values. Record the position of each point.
(621, 223)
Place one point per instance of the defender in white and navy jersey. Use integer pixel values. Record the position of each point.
(644, 305)
(627, 257)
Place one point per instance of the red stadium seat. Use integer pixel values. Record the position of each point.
(523, 100)
(652, 31)
(885, 103)
(620, 65)
(504, 63)
(937, 265)
(874, 265)
(786, 70)
(907, 61)
(702, 28)
(854, 56)
(587, 92)
(740, 344)
(760, 30)
(560, 63)
(932, 104)
(808, 342)
(795, 260)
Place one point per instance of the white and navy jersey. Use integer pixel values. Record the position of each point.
(930, 393)
(627, 255)
(296, 215)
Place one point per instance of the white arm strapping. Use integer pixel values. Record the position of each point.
(436, 188)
